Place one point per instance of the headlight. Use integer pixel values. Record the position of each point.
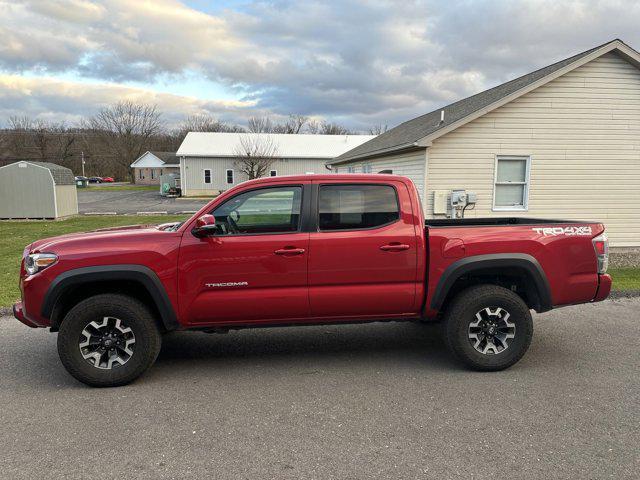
(38, 261)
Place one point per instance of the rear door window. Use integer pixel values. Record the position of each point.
(351, 207)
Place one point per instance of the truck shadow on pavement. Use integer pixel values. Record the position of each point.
(370, 347)
(383, 342)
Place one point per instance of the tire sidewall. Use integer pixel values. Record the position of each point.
(132, 315)
(465, 312)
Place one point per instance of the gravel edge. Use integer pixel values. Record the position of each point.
(624, 294)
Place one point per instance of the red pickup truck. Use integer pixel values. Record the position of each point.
(305, 250)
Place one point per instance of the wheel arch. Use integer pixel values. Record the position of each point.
(136, 280)
(496, 269)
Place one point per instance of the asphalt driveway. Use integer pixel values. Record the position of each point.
(359, 401)
(102, 200)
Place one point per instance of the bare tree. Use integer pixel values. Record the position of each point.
(378, 129)
(293, 125)
(42, 137)
(313, 127)
(205, 123)
(326, 128)
(124, 131)
(260, 125)
(18, 140)
(256, 153)
(39, 139)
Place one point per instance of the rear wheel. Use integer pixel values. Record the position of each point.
(108, 340)
(488, 327)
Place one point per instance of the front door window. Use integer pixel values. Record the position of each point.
(265, 210)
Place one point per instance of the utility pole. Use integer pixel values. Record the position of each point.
(82, 156)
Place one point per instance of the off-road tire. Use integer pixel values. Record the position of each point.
(134, 314)
(462, 311)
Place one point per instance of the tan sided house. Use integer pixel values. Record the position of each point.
(560, 142)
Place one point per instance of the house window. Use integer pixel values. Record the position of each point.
(207, 176)
(153, 173)
(140, 176)
(511, 190)
(352, 207)
(229, 176)
(366, 168)
(350, 169)
(273, 173)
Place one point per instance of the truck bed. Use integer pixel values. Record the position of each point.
(493, 221)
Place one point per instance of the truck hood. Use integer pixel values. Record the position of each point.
(110, 235)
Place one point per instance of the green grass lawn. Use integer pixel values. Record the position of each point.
(15, 235)
(625, 279)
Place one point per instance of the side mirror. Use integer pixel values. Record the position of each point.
(205, 226)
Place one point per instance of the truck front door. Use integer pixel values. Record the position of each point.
(255, 267)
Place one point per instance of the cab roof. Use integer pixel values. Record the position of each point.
(347, 177)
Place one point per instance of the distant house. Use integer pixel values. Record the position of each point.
(37, 190)
(149, 166)
(561, 142)
(209, 161)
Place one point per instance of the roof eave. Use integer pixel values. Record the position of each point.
(629, 53)
(288, 157)
(137, 159)
(375, 153)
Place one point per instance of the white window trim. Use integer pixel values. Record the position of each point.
(271, 171)
(233, 176)
(204, 176)
(526, 183)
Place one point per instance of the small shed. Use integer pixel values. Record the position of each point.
(37, 190)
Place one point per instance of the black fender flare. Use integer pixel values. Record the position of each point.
(137, 273)
(495, 261)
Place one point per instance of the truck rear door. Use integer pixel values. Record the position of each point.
(363, 250)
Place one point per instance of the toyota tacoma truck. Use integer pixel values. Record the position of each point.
(302, 250)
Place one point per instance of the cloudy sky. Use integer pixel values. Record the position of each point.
(358, 63)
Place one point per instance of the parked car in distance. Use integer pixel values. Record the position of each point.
(80, 178)
(301, 250)
(107, 179)
(95, 179)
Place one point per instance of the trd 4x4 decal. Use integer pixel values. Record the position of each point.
(569, 231)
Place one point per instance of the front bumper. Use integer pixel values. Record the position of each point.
(18, 312)
(604, 287)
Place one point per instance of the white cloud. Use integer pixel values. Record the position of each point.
(69, 101)
(355, 61)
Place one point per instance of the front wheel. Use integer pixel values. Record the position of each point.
(108, 340)
(488, 327)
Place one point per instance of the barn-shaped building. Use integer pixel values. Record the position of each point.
(37, 190)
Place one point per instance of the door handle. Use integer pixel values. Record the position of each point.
(395, 247)
(289, 251)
